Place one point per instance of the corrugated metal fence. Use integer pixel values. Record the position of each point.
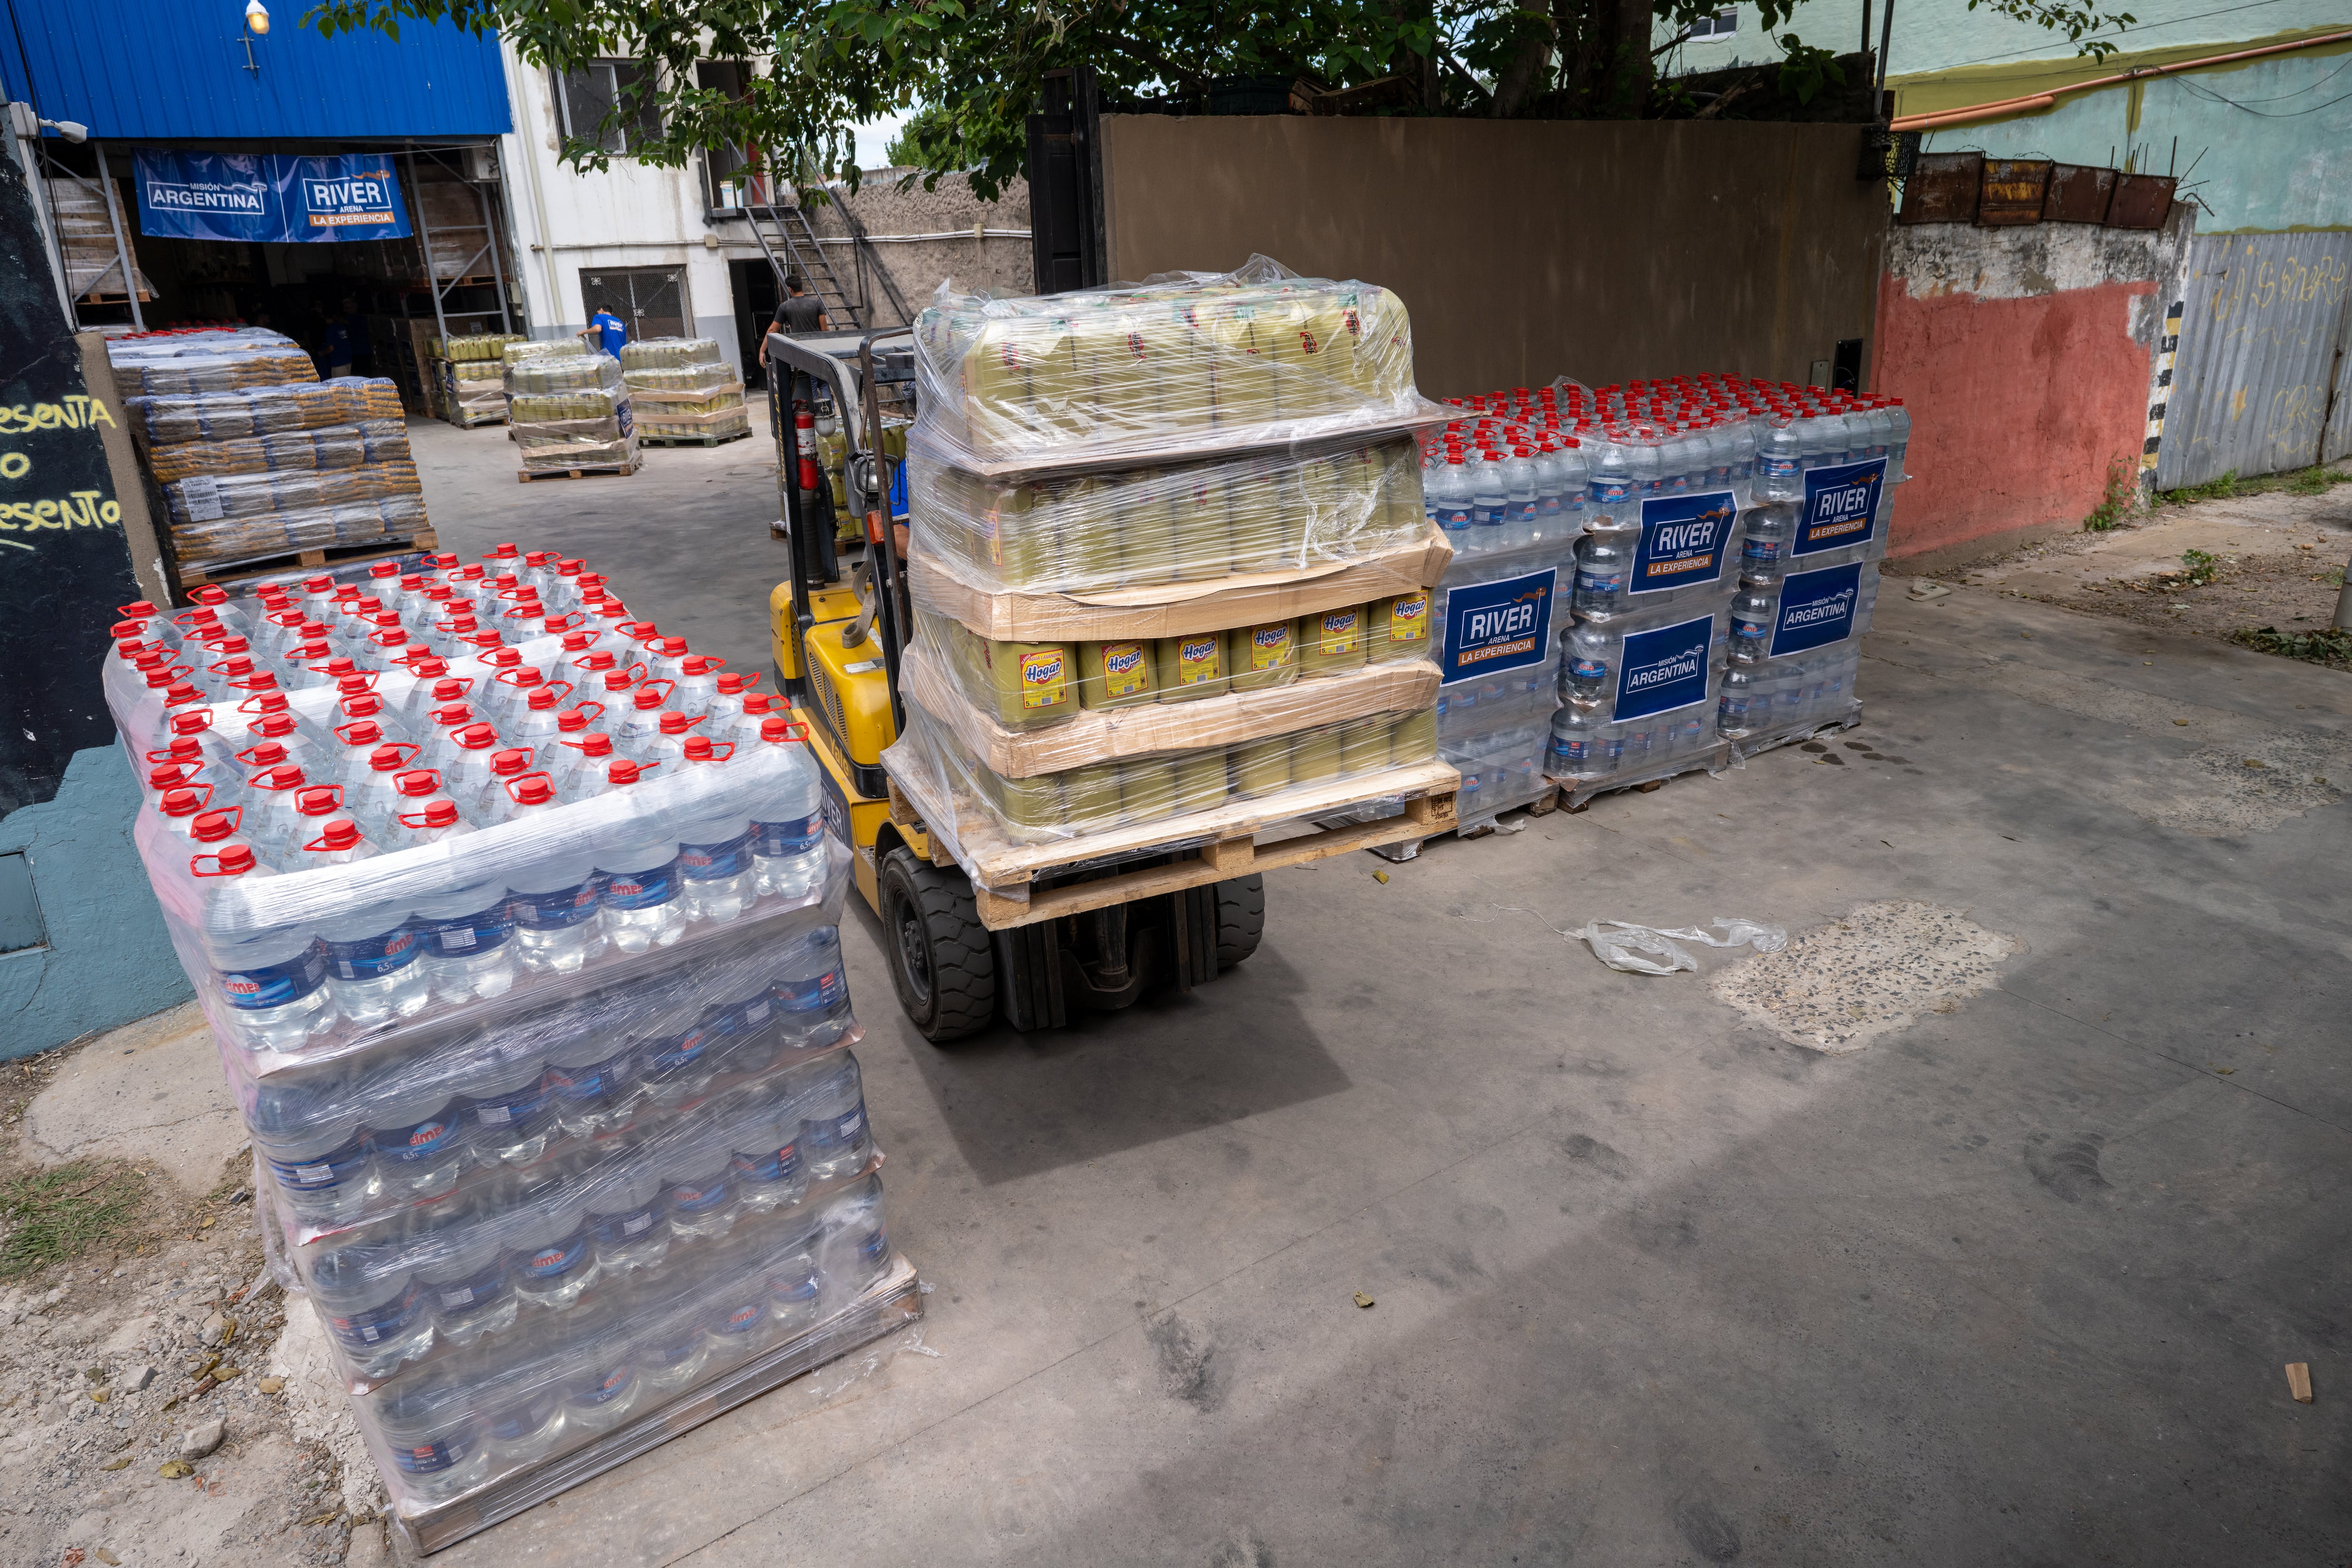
(2263, 353)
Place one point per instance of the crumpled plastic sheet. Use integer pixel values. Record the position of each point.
(1621, 945)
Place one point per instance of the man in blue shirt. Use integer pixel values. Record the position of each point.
(608, 331)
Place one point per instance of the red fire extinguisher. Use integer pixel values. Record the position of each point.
(805, 438)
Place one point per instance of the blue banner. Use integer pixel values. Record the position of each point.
(1840, 506)
(1816, 608)
(1664, 669)
(277, 197)
(1493, 626)
(1682, 541)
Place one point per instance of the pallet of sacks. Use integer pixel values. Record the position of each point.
(683, 391)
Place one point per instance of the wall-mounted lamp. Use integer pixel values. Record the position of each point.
(256, 18)
(72, 130)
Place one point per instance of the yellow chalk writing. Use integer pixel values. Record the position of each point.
(79, 412)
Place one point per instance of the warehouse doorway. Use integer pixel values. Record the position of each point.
(650, 299)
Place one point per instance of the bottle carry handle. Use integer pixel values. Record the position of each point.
(571, 620)
(191, 784)
(414, 750)
(715, 746)
(591, 703)
(320, 842)
(353, 724)
(195, 867)
(518, 778)
(795, 730)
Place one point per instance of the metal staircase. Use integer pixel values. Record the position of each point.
(791, 246)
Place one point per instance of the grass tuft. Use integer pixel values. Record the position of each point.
(2330, 646)
(56, 1216)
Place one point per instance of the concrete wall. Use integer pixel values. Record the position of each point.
(2027, 358)
(989, 248)
(1527, 251)
(108, 961)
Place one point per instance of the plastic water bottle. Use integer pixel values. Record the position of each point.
(377, 1315)
(271, 983)
(642, 884)
(835, 1143)
(416, 1129)
(1736, 713)
(1446, 495)
(469, 774)
(1751, 624)
(556, 901)
(1779, 464)
(372, 952)
(715, 856)
(1608, 493)
(764, 1141)
(463, 1273)
(698, 683)
(307, 1136)
(498, 801)
(594, 1076)
(626, 1210)
(667, 749)
(182, 807)
(1519, 525)
(550, 1252)
(537, 725)
(1490, 504)
(272, 818)
(1602, 563)
(426, 816)
(811, 990)
(640, 723)
(375, 799)
(511, 1102)
(787, 827)
(1584, 676)
(698, 1188)
(1764, 552)
(469, 933)
(585, 770)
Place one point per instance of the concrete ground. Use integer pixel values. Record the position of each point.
(1976, 1227)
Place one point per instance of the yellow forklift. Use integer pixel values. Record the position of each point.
(838, 625)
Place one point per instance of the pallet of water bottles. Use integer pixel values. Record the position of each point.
(506, 909)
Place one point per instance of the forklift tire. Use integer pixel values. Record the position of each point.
(942, 960)
(1241, 919)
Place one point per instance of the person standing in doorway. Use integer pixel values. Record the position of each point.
(347, 339)
(799, 313)
(607, 330)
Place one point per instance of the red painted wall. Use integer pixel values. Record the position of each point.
(2018, 405)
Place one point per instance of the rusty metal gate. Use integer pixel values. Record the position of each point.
(2264, 378)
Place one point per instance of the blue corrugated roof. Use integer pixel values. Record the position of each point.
(151, 71)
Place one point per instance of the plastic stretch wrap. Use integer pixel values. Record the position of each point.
(357, 1141)
(1067, 808)
(451, 1427)
(521, 348)
(208, 498)
(1641, 694)
(665, 354)
(538, 1230)
(1035, 686)
(321, 447)
(686, 381)
(220, 372)
(1499, 616)
(717, 417)
(145, 348)
(225, 417)
(301, 528)
(474, 347)
(1189, 522)
(559, 371)
(1250, 358)
(1795, 650)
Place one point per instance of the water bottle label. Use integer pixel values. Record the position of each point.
(432, 1458)
(592, 1080)
(1664, 669)
(1454, 518)
(742, 1319)
(1600, 584)
(778, 1164)
(418, 1142)
(559, 910)
(374, 1325)
(520, 1108)
(480, 1288)
(466, 935)
(827, 1134)
(1587, 671)
(1762, 551)
(757, 1013)
(1817, 609)
(557, 1258)
(1773, 468)
(517, 1422)
(375, 957)
(874, 1246)
(708, 862)
(793, 1285)
(611, 1230)
(1523, 511)
(321, 1171)
(697, 1197)
(617, 1382)
(1492, 627)
(1840, 506)
(1484, 514)
(1613, 748)
(680, 1051)
(814, 994)
(646, 890)
(1574, 752)
(797, 836)
(1747, 635)
(1608, 493)
(1682, 541)
(274, 984)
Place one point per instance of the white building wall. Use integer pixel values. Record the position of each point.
(631, 214)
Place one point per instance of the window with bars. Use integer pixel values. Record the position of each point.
(588, 98)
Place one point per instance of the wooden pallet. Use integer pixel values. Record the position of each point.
(1796, 734)
(1213, 846)
(646, 441)
(624, 469)
(230, 573)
